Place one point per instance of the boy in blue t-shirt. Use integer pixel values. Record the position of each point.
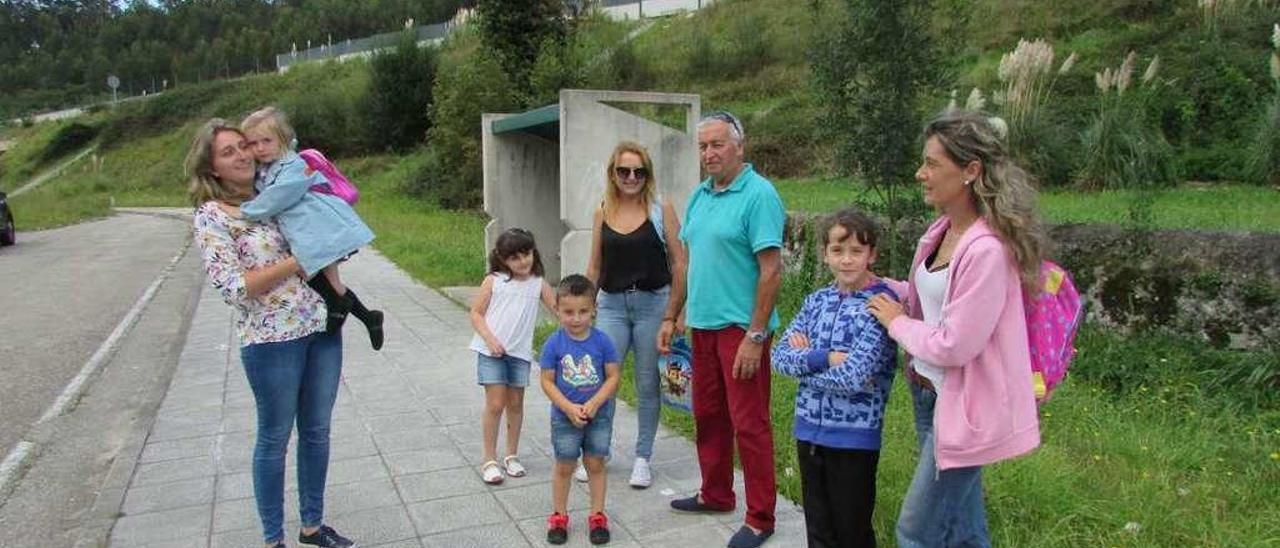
(580, 376)
(845, 361)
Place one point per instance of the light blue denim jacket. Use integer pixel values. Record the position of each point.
(321, 228)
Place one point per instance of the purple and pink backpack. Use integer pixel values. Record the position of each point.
(1053, 317)
(338, 185)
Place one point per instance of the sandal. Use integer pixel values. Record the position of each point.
(491, 473)
(513, 467)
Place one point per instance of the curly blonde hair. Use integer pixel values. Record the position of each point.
(1004, 193)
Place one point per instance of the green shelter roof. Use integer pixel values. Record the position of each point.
(543, 122)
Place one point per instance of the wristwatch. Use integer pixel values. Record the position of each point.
(756, 337)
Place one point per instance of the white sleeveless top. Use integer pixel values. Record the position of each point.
(512, 311)
(932, 289)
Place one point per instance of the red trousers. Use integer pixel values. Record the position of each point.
(725, 408)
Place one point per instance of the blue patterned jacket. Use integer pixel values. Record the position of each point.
(842, 406)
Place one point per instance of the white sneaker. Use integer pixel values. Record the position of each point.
(641, 475)
(580, 473)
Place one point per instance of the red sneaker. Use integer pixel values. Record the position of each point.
(598, 523)
(558, 528)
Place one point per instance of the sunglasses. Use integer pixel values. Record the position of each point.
(637, 173)
(727, 118)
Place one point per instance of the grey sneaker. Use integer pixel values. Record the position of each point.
(325, 537)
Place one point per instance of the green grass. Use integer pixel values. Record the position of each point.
(146, 173)
(436, 246)
(1197, 207)
(1188, 470)
(1188, 465)
(22, 162)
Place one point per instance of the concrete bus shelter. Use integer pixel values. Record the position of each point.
(544, 170)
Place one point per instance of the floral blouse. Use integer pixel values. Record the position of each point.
(230, 247)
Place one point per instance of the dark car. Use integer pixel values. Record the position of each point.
(8, 235)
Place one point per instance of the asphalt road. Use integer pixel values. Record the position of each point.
(62, 292)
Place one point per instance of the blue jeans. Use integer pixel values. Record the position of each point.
(631, 319)
(292, 381)
(506, 370)
(569, 442)
(942, 508)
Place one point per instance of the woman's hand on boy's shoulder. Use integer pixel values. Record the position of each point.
(884, 309)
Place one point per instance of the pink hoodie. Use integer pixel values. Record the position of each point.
(986, 411)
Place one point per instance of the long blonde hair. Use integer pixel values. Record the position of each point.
(611, 190)
(202, 184)
(1005, 194)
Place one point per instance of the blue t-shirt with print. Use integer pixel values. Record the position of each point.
(578, 365)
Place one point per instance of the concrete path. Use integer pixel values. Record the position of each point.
(405, 453)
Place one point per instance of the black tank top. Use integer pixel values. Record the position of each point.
(636, 260)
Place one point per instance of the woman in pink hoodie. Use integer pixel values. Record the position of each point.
(962, 322)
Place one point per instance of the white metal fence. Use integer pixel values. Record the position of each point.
(614, 9)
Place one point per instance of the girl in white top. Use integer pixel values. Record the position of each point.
(503, 316)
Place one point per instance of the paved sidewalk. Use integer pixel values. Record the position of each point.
(405, 450)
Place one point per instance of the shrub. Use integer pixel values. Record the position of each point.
(1035, 138)
(162, 113)
(559, 65)
(782, 141)
(514, 31)
(69, 138)
(1264, 152)
(400, 95)
(329, 119)
(1123, 148)
(626, 70)
(467, 86)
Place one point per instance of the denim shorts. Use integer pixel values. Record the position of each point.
(507, 369)
(569, 441)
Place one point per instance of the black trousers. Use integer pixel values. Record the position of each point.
(839, 491)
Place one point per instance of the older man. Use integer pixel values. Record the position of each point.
(733, 230)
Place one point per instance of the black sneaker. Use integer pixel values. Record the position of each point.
(558, 528)
(326, 537)
(599, 528)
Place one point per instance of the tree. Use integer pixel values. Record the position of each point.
(400, 94)
(868, 71)
(515, 31)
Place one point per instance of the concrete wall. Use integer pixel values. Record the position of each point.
(521, 176)
(553, 189)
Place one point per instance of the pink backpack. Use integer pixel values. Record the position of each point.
(338, 185)
(1053, 316)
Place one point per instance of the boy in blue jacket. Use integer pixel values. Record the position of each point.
(845, 362)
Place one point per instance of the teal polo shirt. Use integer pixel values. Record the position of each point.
(723, 231)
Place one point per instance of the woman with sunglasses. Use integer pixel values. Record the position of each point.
(636, 260)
